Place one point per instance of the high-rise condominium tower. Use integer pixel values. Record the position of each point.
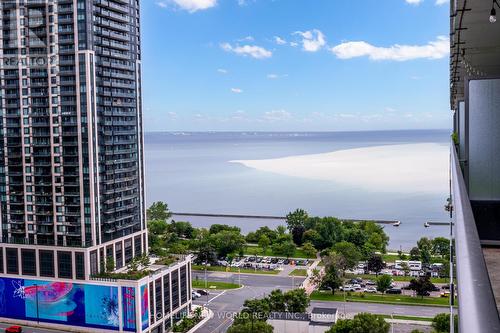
(71, 161)
(72, 175)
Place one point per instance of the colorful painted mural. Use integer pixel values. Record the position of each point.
(144, 306)
(63, 302)
(128, 305)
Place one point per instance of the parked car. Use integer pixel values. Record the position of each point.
(202, 292)
(347, 287)
(445, 293)
(195, 295)
(396, 291)
(370, 283)
(14, 329)
(286, 261)
(370, 290)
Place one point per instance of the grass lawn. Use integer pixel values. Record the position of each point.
(406, 317)
(214, 285)
(395, 278)
(233, 270)
(378, 298)
(252, 250)
(298, 272)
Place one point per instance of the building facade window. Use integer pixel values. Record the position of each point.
(128, 250)
(64, 265)
(166, 294)
(80, 265)
(12, 261)
(175, 290)
(46, 259)
(183, 285)
(28, 262)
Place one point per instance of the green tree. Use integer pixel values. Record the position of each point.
(251, 326)
(110, 264)
(312, 236)
(383, 283)
(441, 323)
(441, 246)
(182, 229)
(309, 249)
(356, 235)
(227, 242)
(331, 231)
(216, 228)
(425, 248)
(375, 263)
(295, 219)
(405, 268)
(264, 243)
(296, 300)
(276, 301)
(285, 248)
(158, 211)
(415, 253)
(280, 231)
(361, 323)
(349, 253)
(422, 285)
(298, 234)
(331, 280)
(254, 309)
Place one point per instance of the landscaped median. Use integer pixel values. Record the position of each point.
(200, 284)
(234, 270)
(298, 272)
(409, 318)
(378, 298)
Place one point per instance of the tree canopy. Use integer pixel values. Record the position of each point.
(361, 323)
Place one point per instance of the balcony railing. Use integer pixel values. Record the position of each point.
(477, 307)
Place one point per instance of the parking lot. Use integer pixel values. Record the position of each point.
(257, 263)
(397, 287)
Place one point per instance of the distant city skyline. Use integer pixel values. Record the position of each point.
(276, 65)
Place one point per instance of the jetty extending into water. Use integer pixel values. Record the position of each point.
(270, 217)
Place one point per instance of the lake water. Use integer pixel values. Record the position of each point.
(193, 173)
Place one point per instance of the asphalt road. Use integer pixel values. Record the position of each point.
(225, 304)
(27, 329)
(352, 308)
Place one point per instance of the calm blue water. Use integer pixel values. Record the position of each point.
(191, 172)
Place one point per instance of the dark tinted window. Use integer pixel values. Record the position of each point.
(151, 302)
(166, 293)
(138, 246)
(1, 259)
(46, 263)
(119, 258)
(12, 261)
(175, 290)
(28, 261)
(183, 285)
(80, 265)
(159, 313)
(64, 264)
(128, 250)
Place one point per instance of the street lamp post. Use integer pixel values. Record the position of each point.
(37, 309)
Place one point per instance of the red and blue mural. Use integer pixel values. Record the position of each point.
(64, 303)
(128, 305)
(144, 306)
